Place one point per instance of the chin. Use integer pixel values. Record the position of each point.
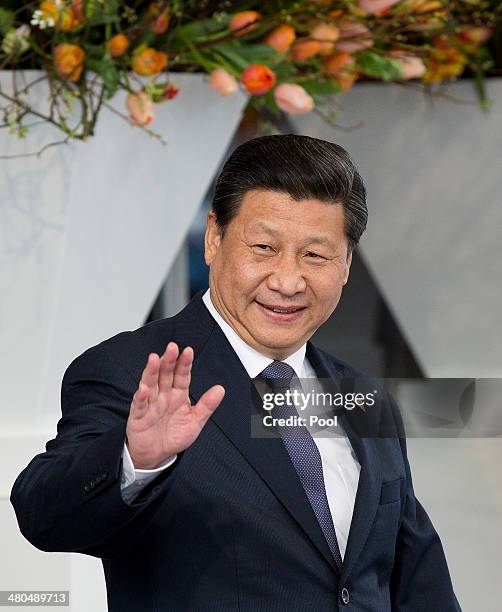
(280, 341)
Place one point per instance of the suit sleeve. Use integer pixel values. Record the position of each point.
(420, 579)
(68, 498)
(132, 480)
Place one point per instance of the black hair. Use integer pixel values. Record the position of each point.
(302, 166)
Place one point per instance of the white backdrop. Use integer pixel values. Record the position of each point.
(88, 233)
(433, 245)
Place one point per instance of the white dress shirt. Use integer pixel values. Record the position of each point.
(340, 465)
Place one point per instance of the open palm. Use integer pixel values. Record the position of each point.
(162, 420)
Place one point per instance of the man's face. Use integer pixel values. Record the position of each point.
(277, 252)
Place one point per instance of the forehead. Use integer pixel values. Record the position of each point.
(277, 214)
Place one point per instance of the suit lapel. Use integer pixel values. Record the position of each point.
(217, 363)
(356, 424)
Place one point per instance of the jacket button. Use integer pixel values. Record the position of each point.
(344, 595)
(87, 487)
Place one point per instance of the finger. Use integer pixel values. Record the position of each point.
(139, 404)
(150, 374)
(208, 402)
(167, 364)
(183, 368)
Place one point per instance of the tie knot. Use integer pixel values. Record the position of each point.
(278, 374)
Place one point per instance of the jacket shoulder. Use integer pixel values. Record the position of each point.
(129, 349)
(390, 415)
(347, 370)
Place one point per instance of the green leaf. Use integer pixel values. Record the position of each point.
(320, 88)
(378, 66)
(224, 63)
(199, 56)
(270, 103)
(94, 51)
(484, 59)
(155, 90)
(229, 51)
(102, 20)
(6, 20)
(257, 54)
(284, 71)
(199, 30)
(107, 70)
(479, 85)
(244, 55)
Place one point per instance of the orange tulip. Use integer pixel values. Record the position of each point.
(69, 61)
(140, 108)
(293, 99)
(345, 79)
(475, 35)
(281, 38)
(62, 16)
(239, 20)
(77, 9)
(326, 35)
(149, 62)
(441, 41)
(258, 79)
(333, 64)
(159, 17)
(304, 49)
(334, 14)
(117, 45)
(223, 82)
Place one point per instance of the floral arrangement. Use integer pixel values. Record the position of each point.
(288, 56)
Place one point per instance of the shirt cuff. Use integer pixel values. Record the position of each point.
(140, 477)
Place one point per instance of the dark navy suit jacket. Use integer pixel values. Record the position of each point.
(228, 526)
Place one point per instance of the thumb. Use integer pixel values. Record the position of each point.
(208, 402)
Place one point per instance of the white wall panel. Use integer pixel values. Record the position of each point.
(433, 245)
(88, 232)
(432, 168)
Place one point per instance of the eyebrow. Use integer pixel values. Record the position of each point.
(260, 225)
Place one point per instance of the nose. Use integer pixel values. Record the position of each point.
(286, 277)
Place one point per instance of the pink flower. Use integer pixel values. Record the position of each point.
(375, 6)
(223, 82)
(293, 99)
(354, 36)
(140, 108)
(412, 67)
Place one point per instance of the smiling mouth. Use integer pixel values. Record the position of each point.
(281, 309)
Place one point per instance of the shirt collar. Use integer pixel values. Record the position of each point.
(253, 361)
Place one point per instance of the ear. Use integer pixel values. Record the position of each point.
(348, 261)
(212, 238)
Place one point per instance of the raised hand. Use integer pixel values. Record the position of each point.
(162, 420)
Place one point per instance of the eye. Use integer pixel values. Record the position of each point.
(262, 245)
(315, 255)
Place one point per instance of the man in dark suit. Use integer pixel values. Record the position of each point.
(155, 468)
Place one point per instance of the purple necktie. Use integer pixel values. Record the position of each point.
(303, 452)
